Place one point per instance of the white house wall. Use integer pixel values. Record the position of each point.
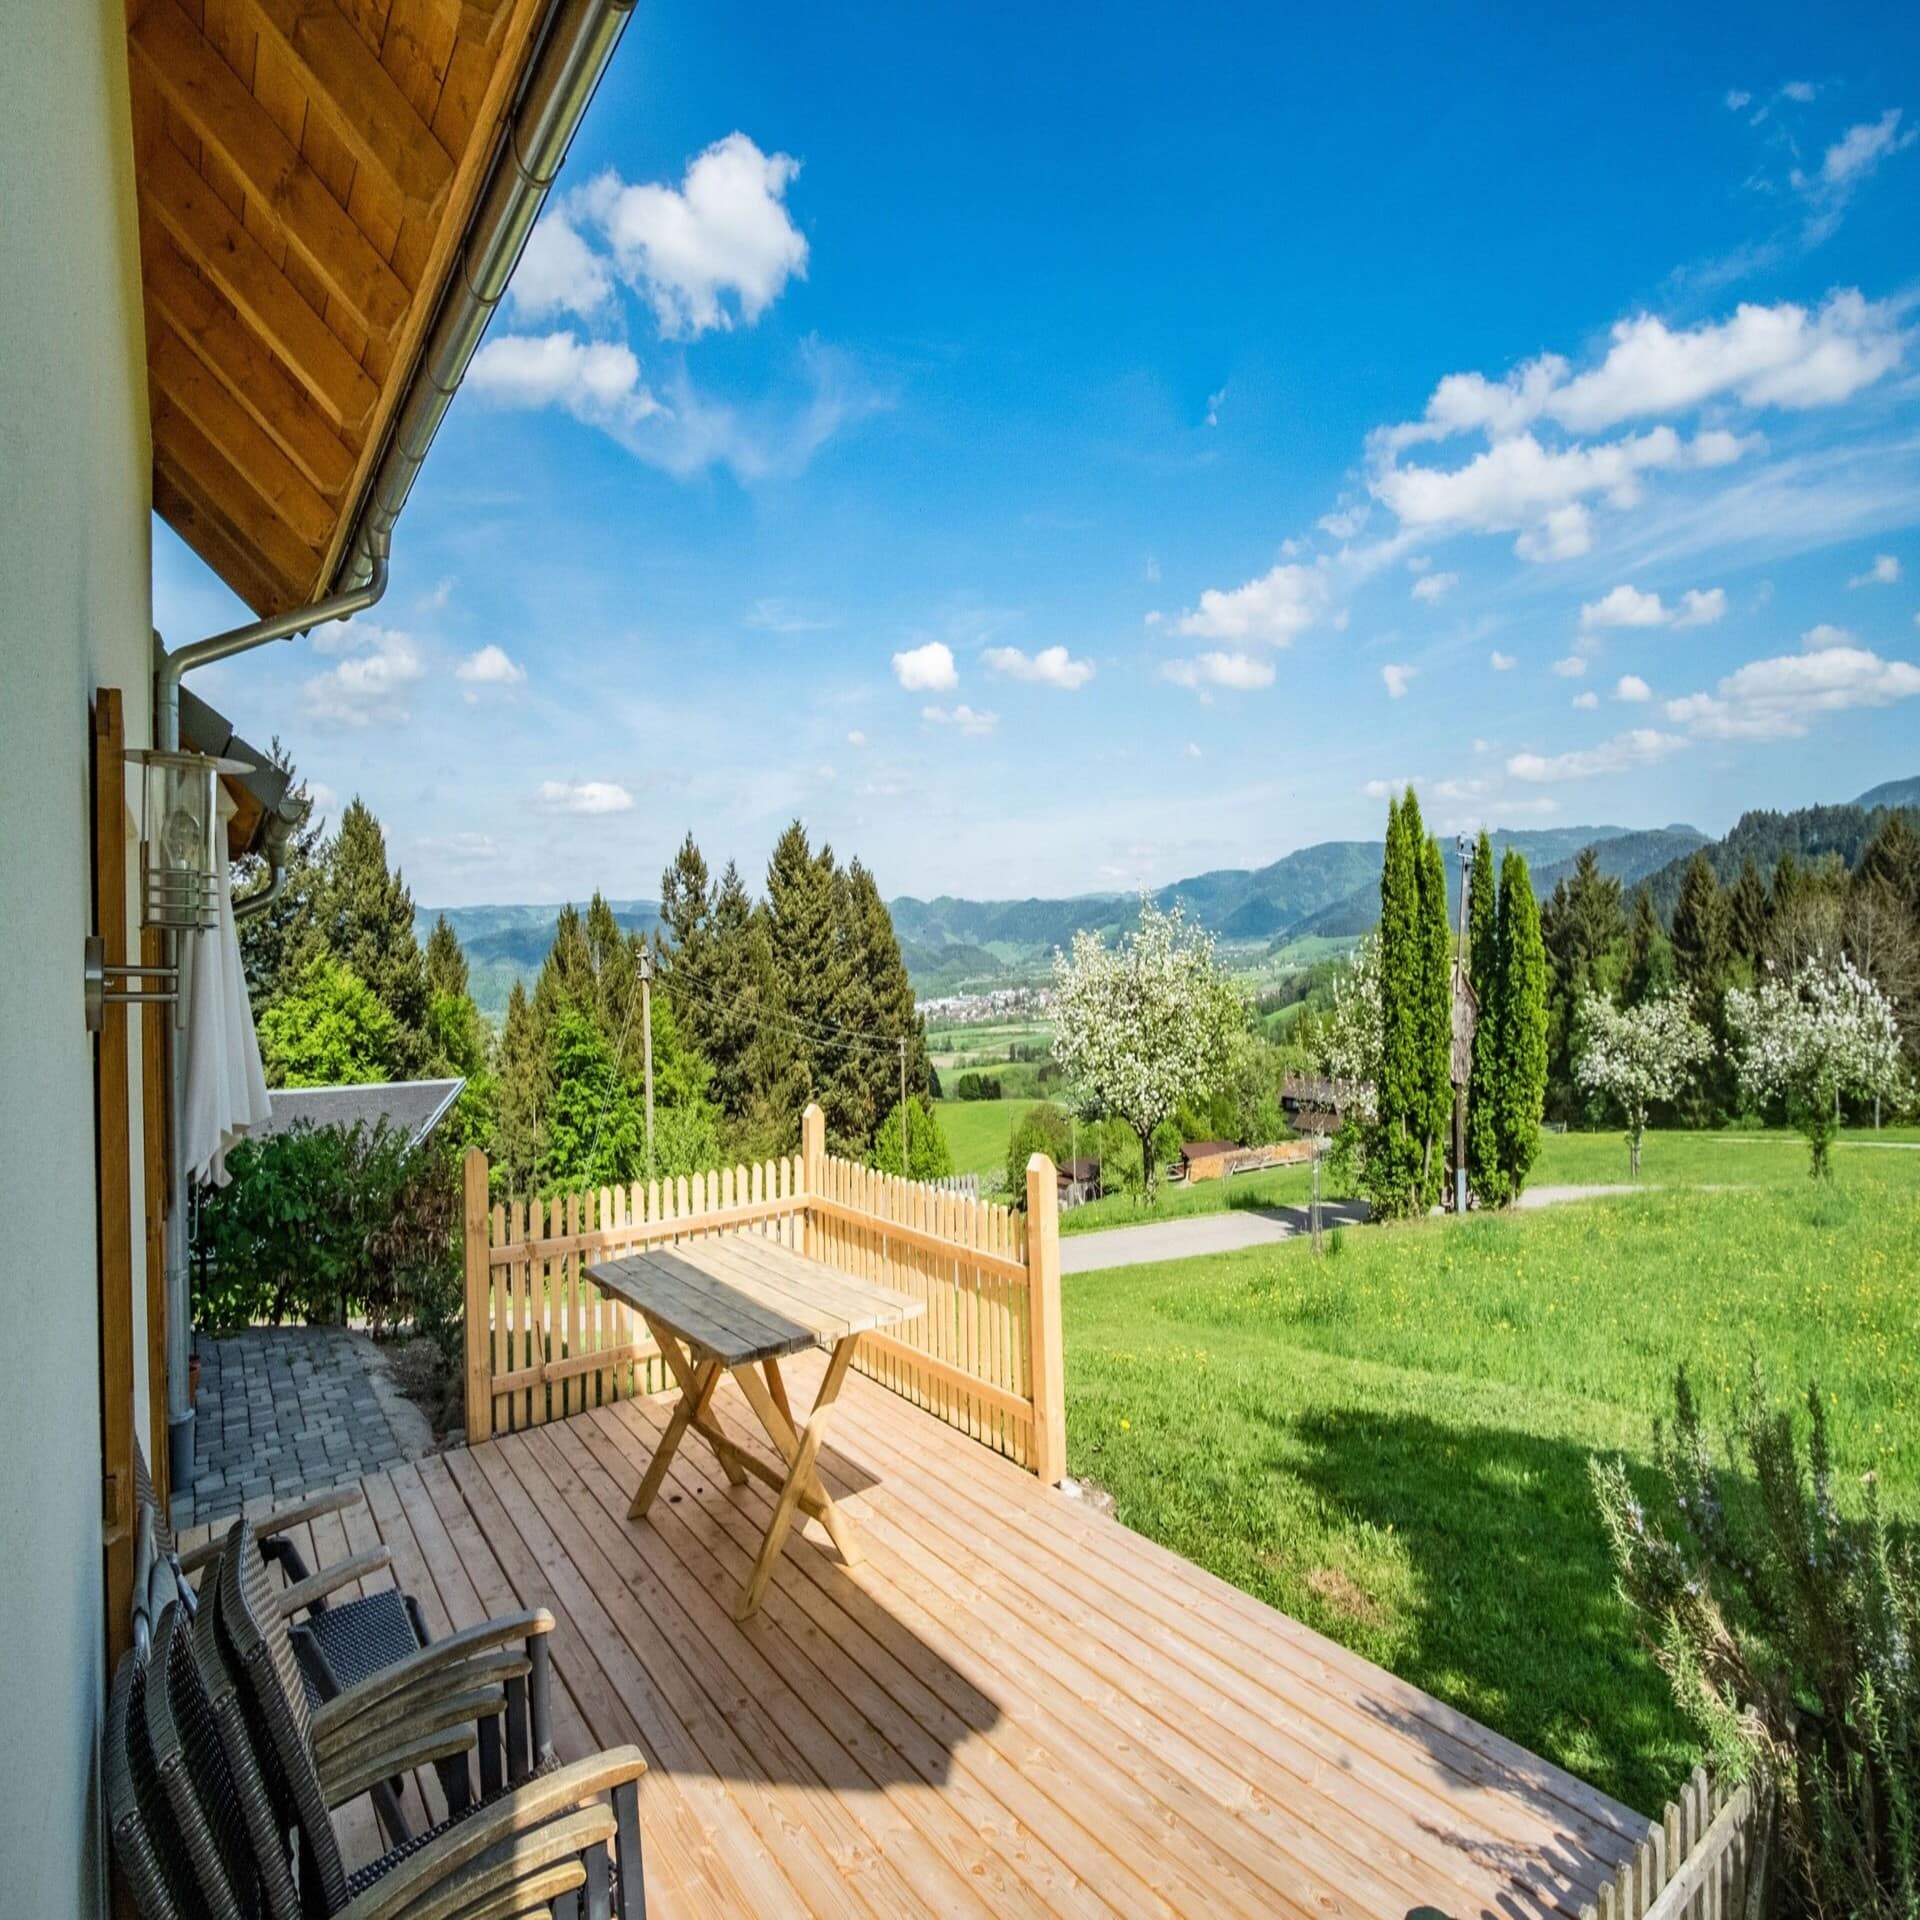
(74, 615)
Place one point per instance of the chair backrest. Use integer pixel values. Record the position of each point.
(145, 1840)
(146, 1500)
(255, 1633)
(241, 1743)
(194, 1773)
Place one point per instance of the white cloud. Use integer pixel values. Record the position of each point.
(583, 796)
(559, 272)
(1391, 789)
(1241, 671)
(1779, 356)
(1737, 98)
(1501, 662)
(370, 685)
(1826, 635)
(1215, 401)
(490, 667)
(1193, 750)
(1638, 748)
(970, 720)
(597, 381)
(1586, 702)
(926, 669)
(1344, 522)
(1050, 667)
(1860, 149)
(1772, 699)
(1517, 485)
(1627, 606)
(1572, 666)
(1272, 610)
(722, 243)
(1885, 572)
(436, 599)
(1396, 680)
(1630, 687)
(461, 849)
(782, 616)
(1431, 588)
(856, 738)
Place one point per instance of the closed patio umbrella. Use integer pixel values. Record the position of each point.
(226, 1090)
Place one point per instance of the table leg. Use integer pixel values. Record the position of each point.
(685, 1371)
(800, 1477)
(770, 1403)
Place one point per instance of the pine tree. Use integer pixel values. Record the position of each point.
(363, 916)
(735, 1011)
(1392, 1168)
(1483, 961)
(1649, 959)
(520, 1097)
(1521, 1035)
(1585, 928)
(686, 942)
(1747, 915)
(801, 942)
(1436, 1011)
(276, 941)
(1702, 966)
(445, 963)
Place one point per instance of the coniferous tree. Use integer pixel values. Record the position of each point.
(729, 1026)
(1747, 915)
(276, 940)
(363, 917)
(520, 1097)
(686, 942)
(1521, 1037)
(801, 936)
(1392, 1166)
(1702, 968)
(1584, 927)
(1436, 1007)
(1648, 969)
(446, 964)
(1483, 962)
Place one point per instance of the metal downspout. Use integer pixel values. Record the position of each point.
(559, 84)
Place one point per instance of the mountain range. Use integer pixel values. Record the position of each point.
(1328, 892)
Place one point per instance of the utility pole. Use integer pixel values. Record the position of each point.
(906, 1158)
(646, 1044)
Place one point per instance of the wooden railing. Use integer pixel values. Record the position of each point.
(1702, 1861)
(543, 1343)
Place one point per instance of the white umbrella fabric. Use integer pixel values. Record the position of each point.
(226, 1089)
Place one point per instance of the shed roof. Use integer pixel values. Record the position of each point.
(1205, 1149)
(415, 1107)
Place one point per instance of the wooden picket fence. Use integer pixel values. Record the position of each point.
(543, 1343)
(1703, 1860)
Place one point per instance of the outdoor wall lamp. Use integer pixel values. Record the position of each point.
(179, 821)
(96, 973)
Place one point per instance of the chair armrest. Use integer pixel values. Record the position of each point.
(280, 1520)
(352, 1771)
(328, 1580)
(533, 1864)
(508, 1630)
(519, 1827)
(369, 1718)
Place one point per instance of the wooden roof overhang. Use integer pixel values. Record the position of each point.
(306, 172)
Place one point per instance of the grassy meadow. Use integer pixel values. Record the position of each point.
(1391, 1442)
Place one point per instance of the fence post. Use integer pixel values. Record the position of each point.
(479, 1313)
(1043, 1316)
(813, 1172)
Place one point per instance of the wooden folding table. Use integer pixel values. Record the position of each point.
(739, 1304)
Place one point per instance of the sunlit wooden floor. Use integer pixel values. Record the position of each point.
(1012, 1706)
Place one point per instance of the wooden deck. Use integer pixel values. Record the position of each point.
(1013, 1706)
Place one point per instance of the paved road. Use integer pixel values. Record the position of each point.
(1197, 1233)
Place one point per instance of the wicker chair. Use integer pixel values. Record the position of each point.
(539, 1834)
(338, 1644)
(146, 1842)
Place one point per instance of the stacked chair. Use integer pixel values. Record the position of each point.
(223, 1776)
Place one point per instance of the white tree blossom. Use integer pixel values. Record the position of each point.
(1825, 1035)
(1350, 1040)
(1140, 1028)
(1638, 1055)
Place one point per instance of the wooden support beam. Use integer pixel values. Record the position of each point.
(217, 546)
(222, 111)
(208, 472)
(210, 236)
(360, 99)
(234, 355)
(176, 372)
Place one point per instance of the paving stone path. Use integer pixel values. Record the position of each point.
(287, 1411)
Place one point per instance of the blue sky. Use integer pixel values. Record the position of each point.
(1059, 450)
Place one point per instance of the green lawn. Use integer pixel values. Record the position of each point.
(978, 1131)
(1391, 1442)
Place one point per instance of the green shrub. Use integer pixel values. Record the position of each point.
(323, 1224)
(1789, 1632)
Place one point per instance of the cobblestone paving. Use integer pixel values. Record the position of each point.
(287, 1411)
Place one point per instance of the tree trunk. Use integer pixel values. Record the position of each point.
(1146, 1164)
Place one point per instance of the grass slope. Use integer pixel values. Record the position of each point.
(1391, 1443)
(978, 1131)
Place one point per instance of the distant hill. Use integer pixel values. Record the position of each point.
(508, 943)
(1892, 793)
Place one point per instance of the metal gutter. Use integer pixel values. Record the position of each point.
(561, 79)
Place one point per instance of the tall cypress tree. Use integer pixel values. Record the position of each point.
(363, 915)
(1393, 1148)
(1483, 961)
(1436, 1011)
(1521, 1035)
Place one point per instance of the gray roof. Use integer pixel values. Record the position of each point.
(415, 1107)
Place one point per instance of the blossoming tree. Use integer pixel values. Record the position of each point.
(1637, 1055)
(1350, 1037)
(1825, 1035)
(1140, 1028)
